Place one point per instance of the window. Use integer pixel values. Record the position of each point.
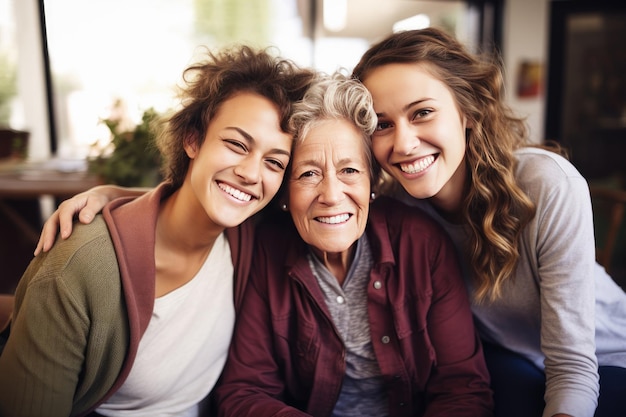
(104, 56)
(127, 56)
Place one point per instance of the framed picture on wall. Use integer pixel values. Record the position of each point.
(529, 75)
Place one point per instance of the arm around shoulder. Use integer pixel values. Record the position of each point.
(85, 206)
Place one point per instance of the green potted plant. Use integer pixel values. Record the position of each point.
(13, 143)
(8, 87)
(134, 160)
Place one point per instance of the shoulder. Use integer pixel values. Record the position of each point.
(241, 237)
(541, 163)
(86, 239)
(412, 240)
(395, 211)
(399, 218)
(89, 242)
(277, 240)
(80, 262)
(541, 172)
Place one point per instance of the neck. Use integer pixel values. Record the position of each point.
(184, 239)
(338, 263)
(183, 224)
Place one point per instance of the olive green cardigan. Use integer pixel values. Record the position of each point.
(81, 309)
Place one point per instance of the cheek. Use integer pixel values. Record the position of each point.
(303, 231)
(298, 205)
(454, 134)
(380, 150)
(272, 182)
(457, 145)
(363, 218)
(361, 197)
(300, 220)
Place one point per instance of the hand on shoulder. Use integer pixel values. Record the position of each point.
(85, 206)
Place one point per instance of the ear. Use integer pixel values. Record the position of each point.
(469, 124)
(191, 146)
(282, 196)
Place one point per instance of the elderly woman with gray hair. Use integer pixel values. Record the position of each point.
(354, 307)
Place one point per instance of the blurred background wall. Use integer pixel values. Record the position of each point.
(66, 65)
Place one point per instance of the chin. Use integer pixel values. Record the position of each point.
(337, 247)
(420, 192)
(232, 221)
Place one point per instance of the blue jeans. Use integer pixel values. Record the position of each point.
(519, 386)
(612, 399)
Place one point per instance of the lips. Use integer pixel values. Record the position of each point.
(340, 218)
(235, 193)
(418, 165)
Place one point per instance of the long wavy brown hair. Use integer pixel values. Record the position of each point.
(494, 206)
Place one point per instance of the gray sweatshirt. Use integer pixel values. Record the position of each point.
(561, 310)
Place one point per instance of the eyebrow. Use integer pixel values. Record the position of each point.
(316, 162)
(248, 137)
(408, 106)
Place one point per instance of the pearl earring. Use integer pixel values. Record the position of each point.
(373, 196)
(283, 207)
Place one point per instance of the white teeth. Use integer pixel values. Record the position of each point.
(334, 219)
(418, 166)
(239, 195)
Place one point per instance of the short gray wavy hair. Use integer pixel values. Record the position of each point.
(337, 97)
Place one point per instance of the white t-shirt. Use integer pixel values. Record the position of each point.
(184, 348)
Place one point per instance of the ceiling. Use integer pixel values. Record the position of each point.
(374, 19)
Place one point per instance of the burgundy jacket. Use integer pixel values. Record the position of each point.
(287, 359)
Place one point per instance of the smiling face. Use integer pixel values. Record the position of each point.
(240, 165)
(420, 137)
(329, 187)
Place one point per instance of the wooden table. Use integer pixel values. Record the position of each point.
(33, 180)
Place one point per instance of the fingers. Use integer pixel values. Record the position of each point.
(92, 206)
(86, 205)
(62, 220)
(48, 234)
(66, 212)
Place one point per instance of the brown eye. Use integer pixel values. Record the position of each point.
(236, 144)
(276, 163)
(382, 126)
(420, 114)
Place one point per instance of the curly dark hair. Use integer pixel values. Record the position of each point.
(214, 80)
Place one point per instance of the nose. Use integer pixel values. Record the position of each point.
(330, 190)
(249, 169)
(406, 139)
